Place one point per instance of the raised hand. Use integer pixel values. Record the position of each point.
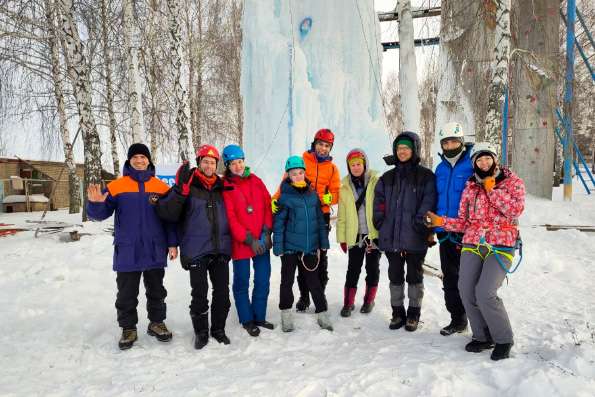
(94, 194)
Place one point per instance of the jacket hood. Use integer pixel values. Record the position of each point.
(140, 176)
(366, 164)
(415, 159)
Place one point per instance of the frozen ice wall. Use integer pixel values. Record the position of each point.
(307, 65)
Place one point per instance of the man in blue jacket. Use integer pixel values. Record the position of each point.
(401, 197)
(451, 175)
(141, 242)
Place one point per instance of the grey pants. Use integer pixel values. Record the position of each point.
(479, 281)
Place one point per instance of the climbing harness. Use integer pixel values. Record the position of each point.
(497, 251)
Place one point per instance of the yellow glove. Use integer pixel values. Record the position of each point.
(274, 206)
(327, 198)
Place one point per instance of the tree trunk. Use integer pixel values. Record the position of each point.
(535, 71)
(78, 72)
(107, 70)
(134, 86)
(493, 122)
(466, 54)
(408, 69)
(176, 69)
(53, 43)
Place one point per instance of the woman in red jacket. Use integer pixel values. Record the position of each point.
(493, 200)
(247, 202)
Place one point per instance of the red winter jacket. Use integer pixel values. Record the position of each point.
(493, 215)
(248, 192)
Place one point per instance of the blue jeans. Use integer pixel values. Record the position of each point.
(257, 309)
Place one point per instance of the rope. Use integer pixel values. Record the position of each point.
(317, 262)
(372, 64)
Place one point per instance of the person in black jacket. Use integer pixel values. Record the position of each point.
(402, 197)
(196, 204)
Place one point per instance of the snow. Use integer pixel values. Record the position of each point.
(299, 77)
(21, 198)
(59, 330)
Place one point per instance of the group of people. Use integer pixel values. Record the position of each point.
(470, 203)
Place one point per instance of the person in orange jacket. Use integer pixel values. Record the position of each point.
(325, 179)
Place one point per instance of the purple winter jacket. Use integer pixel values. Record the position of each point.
(141, 238)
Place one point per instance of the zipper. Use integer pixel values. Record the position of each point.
(307, 222)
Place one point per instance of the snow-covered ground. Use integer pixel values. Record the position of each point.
(59, 332)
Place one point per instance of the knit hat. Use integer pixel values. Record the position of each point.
(404, 141)
(139, 148)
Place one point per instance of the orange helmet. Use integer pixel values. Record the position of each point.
(207, 151)
(325, 135)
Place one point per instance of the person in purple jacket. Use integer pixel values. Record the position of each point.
(196, 204)
(142, 242)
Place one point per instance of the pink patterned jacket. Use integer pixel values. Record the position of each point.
(492, 215)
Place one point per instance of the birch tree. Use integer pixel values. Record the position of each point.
(500, 9)
(79, 74)
(134, 86)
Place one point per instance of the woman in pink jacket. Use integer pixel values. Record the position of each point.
(493, 200)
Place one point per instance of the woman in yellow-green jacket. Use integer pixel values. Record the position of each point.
(355, 231)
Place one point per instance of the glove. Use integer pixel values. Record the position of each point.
(265, 240)
(433, 220)
(274, 206)
(184, 177)
(344, 247)
(257, 248)
(327, 198)
(489, 183)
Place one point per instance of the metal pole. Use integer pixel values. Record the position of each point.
(571, 15)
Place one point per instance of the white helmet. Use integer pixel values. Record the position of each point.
(483, 147)
(451, 130)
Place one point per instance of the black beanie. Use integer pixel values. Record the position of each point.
(139, 148)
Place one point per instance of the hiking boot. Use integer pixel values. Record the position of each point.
(501, 351)
(346, 311)
(251, 328)
(201, 339)
(264, 324)
(453, 328)
(127, 339)
(159, 331)
(302, 304)
(219, 335)
(412, 319)
(286, 320)
(399, 317)
(477, 346)
(324, 321)
(367, 308)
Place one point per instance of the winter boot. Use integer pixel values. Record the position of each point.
(302, 304)
(286, 320)
(251, 328)
(369, 300)
(399, 317)
(412, 318)
(159, 331)
(348, 301)
(219, 335)
(457, 325)
(127, 339)
(501, 351)
(201, 339)
(264, 324)
(477, 346)
(324, 321)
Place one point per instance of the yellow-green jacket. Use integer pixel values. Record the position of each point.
(347, 221)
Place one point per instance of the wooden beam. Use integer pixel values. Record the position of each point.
(416, 13)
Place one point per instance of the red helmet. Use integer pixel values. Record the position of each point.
(207, 151)
(325, 135)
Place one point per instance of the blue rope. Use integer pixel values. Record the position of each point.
(518, 245)
(449, 237)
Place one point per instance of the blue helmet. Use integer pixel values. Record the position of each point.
(294, 162)
(231, 153)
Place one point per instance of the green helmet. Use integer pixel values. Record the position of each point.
(294, 162)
